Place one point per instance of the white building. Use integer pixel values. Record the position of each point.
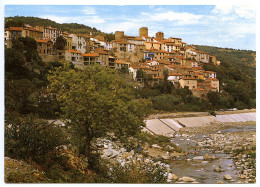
(78, 43)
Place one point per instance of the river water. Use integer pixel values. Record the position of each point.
(203, 171)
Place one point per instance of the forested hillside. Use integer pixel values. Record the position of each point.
(69, 27)
(237, 76)
(244, 60)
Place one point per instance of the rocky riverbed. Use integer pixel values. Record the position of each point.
(225, 154)
(230, 150)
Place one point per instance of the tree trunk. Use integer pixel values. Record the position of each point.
(88, 149)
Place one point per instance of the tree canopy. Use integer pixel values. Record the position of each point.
(96, 101)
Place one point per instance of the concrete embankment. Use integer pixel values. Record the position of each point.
(171, 125)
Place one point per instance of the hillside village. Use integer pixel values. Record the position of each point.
(152, 55)
(93, 124)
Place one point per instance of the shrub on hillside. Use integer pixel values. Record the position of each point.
(31, 138)
(165, 102)
(133, 172)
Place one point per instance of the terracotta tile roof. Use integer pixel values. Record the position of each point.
(209, 72)
(162, 62)
(160, 77)
(72, 51)
(117, 40)
(197, 68)
(189, 78)
(171, 66)
(154, 42)
(160, 51)
(174, 38)
(214, 79)
(156, 69)
(181, 57)
(16, 28)
(174, 74)
(198, 72)
(137, 39)
(121, 62)
(43, 41)
(90, 55)
(102, 52)
(144, 67)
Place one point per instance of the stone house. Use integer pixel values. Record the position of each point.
(74, 57)
(190, 83)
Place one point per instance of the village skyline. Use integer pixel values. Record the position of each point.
(234, 25)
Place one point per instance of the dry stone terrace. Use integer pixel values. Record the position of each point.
(152, 55)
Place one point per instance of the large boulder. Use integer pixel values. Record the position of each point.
(207, 157)
(198, 158)
(108, 152)
(115, 153)
(227, 177)
(187, 179)
(156, 146)
(174, 177)
(219, 169)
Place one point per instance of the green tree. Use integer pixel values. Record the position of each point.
(96, 101)
(214, 99)
(61, 43)
(165, 102)
(13, 23)
(15, 64)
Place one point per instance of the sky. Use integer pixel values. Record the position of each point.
(231, 26)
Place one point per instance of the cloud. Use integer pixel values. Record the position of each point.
(245, 11)
(127, 27)
(242, 11)
(179, 18)
(222, 9)
(57, 19)
(89, 10)
(87, 20)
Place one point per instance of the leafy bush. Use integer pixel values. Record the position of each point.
(133, 172)
(31, 138)
(165, 102)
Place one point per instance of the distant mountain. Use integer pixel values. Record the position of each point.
(244, 60)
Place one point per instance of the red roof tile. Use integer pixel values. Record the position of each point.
(72, 51)
(16, 28)
(90, 55)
